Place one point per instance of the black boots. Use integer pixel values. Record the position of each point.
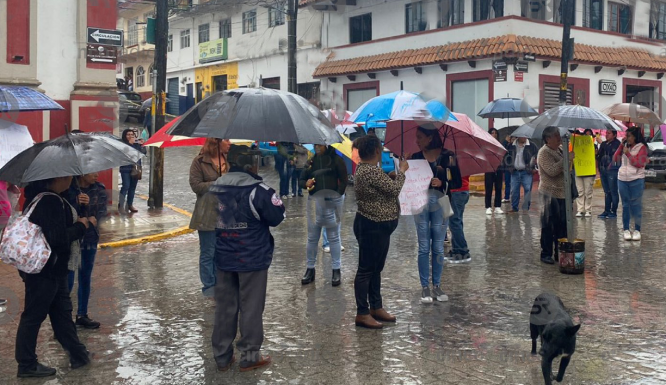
(308, 277)
(86, 323)
(38, 371)
(335, 281)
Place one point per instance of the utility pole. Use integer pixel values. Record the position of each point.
(156, 198)
(567, 54)
(292, 15)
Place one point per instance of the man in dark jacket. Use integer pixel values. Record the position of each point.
(608, 171)
(326, 181)
(243, 253)
(520, 161)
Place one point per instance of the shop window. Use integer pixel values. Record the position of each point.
(360, 28)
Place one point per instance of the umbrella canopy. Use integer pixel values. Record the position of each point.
(14, 138)
(19, 98)
(162, 139)
(257, 114)
(633, 113)
(346, 127)
(400, 105)
(68, 155)
(566, 117)
(439, 111)
(336, 117)
(345, 149)
(476, 150)
(507, 108)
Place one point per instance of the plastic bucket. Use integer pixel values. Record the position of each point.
(571, 256)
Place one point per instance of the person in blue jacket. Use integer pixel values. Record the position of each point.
(243, 253)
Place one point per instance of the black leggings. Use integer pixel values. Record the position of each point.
(494, 179)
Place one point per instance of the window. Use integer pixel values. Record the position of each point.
(661, 21)
(276, 16)
(170, 43)
(150, 74)
(132, 34)
(619, 18)
(469, 97)
(593, 14)
(250, 21)
(551, 95)
(533, 9)
(356, 98)
(415, 20)
(184, 39)
(272, 83)
(225, 29)
(487, 9)
(451, 12)
(140, 78)
(360, 28)
(204, 33)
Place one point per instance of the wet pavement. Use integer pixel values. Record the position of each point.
(156, 326)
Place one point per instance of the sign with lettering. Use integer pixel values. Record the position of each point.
(97, 53)
(414, 195)
(529, 57)
(583, 148)
(499, 65)
(607, 87)
(213, 50)
(500, 75)
(518, 76)
(521, 66)
(103, 36)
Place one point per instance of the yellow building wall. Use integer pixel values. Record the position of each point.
(204, 75)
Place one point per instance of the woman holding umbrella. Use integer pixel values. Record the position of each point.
(128, 174)
(206, 168)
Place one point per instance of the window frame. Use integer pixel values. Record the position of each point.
(185, 38)
(204, 35)
(450, 13)
(250, 22)
(661, 21)
(225, 25)
(588, 14)
(276, 16)
(361, 20)
(170, 43)
(150, 74)
(418, 20)
(140, 78)
(618, 22)
(492, 8)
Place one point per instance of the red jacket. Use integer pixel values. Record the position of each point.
(465, 185)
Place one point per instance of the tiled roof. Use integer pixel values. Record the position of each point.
(634, 58)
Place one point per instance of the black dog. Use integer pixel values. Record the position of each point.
(551, 322)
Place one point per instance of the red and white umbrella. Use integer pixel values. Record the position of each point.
(162, 139)
(337, 117)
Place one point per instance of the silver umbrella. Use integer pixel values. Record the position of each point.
(70, 154)
(565, 118)
(257, 114)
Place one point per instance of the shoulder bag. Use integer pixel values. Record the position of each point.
(137, 172)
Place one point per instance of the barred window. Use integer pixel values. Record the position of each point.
(225, 29)
(204, 33)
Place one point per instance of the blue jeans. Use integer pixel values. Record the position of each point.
(431, 230)
(609, 183)
(326, 216)
(207, 262)
(88, 252)
(295, 187)
(458, 202)
(507, 185)
(521, 178)
(325, 242)
(632, 202)
(284, 169)
(129, 187)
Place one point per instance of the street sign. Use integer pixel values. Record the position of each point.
(112, 37)
(500, 75)
(97, 53)
(518, 76)
(521, 66)
(499, 65)
(607, 87)
(529, 57)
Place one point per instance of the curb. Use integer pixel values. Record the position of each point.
(155, 237)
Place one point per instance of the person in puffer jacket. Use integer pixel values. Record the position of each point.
(244, 246)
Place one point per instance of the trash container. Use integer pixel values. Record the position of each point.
(571, 256)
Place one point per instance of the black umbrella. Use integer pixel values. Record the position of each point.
(257, 114)
(506, 108)
(68, 155)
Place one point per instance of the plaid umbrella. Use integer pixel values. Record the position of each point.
(13, 98)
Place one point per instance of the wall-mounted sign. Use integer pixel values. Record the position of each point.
(213, 50)
(518, 76)
(97, 53)
(500, 75)
(607, 87)
(529, 57)
(499, 65)
(521, 66)
(105, 36)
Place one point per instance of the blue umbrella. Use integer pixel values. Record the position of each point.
(439, 111)
(507, 108)
(15, 98)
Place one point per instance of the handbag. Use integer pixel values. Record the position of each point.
(23, 243)
(445, 204)
(137, 172)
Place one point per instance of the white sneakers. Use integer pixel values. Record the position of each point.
(498, 210)
(490, 211)
(588, 214)
(579, 215)
(327, 249)
(628, 236)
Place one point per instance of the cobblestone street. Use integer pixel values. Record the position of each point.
(156, 326)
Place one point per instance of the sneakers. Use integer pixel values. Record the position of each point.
(548, 260)
(489, 211)
(327, 249)
(579, 214)
(588, 214)
(627, 235)
(38, 371)
(505, 201)
(425, 295)
(86, 322)
(499, 210)
(293, 195)
(603, 215)
(439, 295)
(459, 258)
(285, 197)
(612, 216)
(636, 236)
